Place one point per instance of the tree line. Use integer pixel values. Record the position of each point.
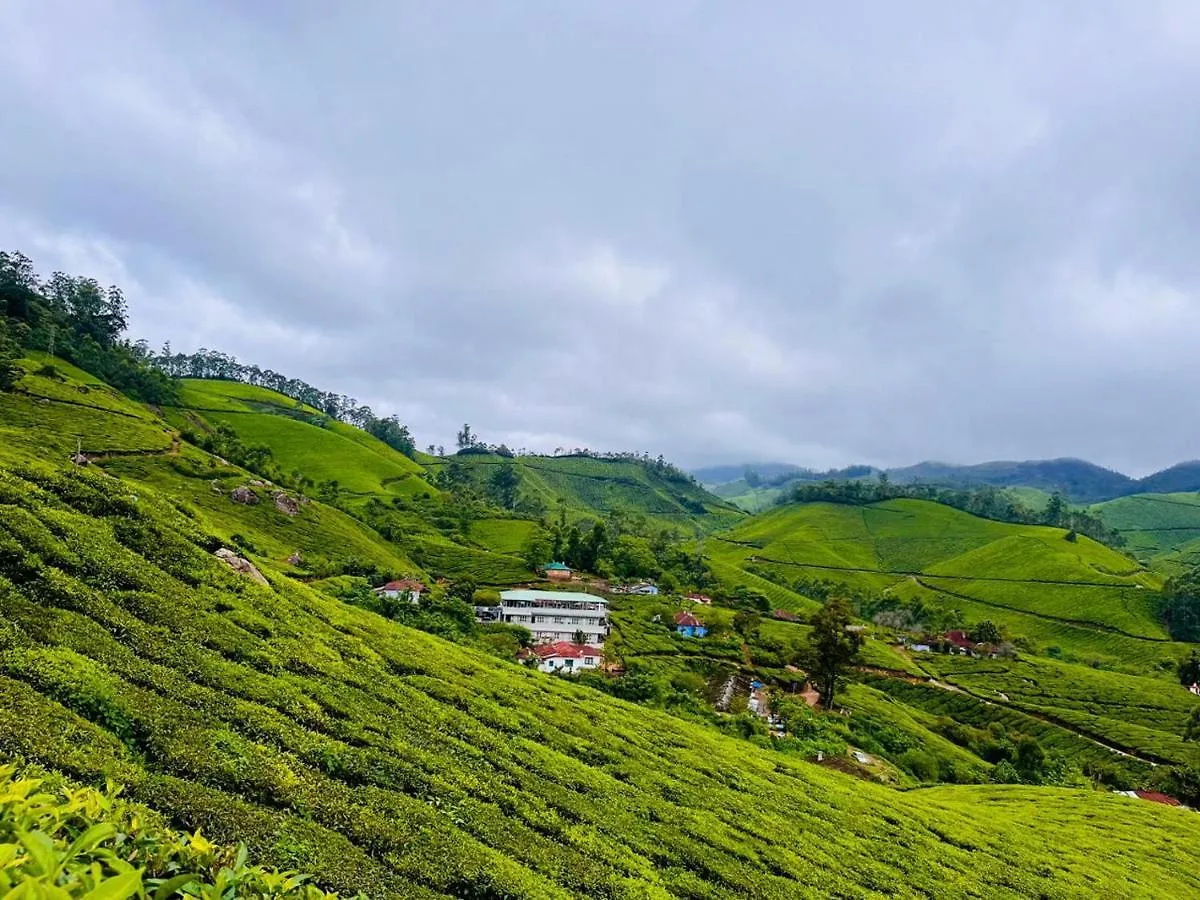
(78, 319)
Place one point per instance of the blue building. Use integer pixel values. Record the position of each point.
(689, 626)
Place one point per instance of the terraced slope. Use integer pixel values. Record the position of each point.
(359, 462)
(386, 760)
(1076, 595)
(57, 408)
(1161, 530)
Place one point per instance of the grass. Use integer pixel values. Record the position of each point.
(384, 759)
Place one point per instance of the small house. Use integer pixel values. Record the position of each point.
(688, 625)
(701, 599)
(557, 571)
(564, 656)
(394, 589)
(1194, 688)
(921, 648)
(645, 589)
(784, 615)
(959, 642)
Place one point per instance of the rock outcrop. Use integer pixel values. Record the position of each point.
(244, 495)
(241, 566)
(286, 503)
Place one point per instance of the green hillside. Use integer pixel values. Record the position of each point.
(383, 759)
(1161, 530)
(592, 487)
(1077, 595)
(328, 451)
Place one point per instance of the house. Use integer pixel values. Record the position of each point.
(556, 615)
(557, 571)
(688, 625)
(701, 599)
(394, 589)
(785, 616)
(1156, 797)
(645, 588)
(959, 642)
(564, 656)
(921, 648)
(1195, 689)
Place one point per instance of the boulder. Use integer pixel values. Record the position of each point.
(245, 495)
(241, 566)
(286, 503)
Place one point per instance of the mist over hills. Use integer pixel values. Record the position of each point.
(1080, 480)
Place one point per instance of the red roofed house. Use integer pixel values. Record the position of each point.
(1156, 797)
(688, 625)
(395, 589)
(959, 641)
(564, 656)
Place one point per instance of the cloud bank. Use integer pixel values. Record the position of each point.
(877, 233)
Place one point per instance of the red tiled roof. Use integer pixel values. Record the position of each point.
(959, 639)
(1156, 797)
(687, 619)
(406, 584)
(564, 650)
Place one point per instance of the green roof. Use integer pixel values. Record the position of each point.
(558, 567)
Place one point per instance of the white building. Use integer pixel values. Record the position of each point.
(557, 615)
(563, 656)
(408, 586)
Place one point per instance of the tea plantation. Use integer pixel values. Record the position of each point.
(381, 759)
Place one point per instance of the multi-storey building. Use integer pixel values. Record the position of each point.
(557, 615)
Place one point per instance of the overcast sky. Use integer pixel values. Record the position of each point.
(814, 232)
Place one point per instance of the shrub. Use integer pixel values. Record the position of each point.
(63, 841)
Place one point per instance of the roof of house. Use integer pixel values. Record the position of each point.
(785, 615)
(405, 584)
(688, 620)
(530, 594)
(558, 567)
(1156, 797)
(959, 639)
(563, 650)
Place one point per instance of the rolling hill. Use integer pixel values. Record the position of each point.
(1079, 596)
(591, 487)
(1081, 481)
(389, 761)
(1161, 530)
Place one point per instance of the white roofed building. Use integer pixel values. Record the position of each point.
(557, 615)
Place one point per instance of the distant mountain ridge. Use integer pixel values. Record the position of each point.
(1080, 480)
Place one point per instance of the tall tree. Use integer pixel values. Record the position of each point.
(832, 649)
(10, 372)
(504, 485)
(466, 438)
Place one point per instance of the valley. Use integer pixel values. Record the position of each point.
(1012, 676)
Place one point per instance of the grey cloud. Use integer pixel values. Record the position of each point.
(864, 233)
